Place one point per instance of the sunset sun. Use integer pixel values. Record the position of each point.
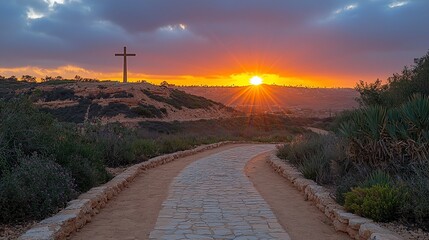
(256, 80)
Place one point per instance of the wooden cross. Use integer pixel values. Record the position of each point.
(125, 55)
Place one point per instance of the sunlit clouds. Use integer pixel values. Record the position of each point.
(174, 28)
(51, 3)
(192, 42)
(346, 8)
(32, 14)
(398, 4)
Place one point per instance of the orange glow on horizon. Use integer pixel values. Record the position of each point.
(240, 79)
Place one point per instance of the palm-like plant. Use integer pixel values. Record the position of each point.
(378, 136)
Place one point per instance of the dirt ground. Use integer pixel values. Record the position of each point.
(300, 218)
(133, 213)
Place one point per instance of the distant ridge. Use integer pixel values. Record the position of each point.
(320, 102)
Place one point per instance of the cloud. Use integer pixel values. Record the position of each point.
(198, 37)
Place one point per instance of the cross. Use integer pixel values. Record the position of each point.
(125, 55)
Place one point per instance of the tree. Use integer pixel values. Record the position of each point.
(28, 78)
(370, 93)
(47, 79)
(78, 78)
(164, 84)
(400, 87)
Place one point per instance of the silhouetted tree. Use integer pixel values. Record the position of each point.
(47, 79)
(164, 84)
(370, 93)
(28, 78)
(400, 87)
(78, 78)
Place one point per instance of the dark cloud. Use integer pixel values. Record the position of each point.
(309, 37)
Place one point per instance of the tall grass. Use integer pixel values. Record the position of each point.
(318, 157)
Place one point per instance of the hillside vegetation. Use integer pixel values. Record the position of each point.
(74, 101)
(378, 158)
(45, 162)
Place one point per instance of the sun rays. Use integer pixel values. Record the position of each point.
(256, 99)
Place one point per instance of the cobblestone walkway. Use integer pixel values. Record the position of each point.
(213, 199)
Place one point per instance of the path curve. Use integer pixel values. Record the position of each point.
(213, 199)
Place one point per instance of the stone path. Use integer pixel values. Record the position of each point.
(213, 199)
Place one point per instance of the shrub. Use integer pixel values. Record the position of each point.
(35, 189)
(318, 157)
(301, 147)
(144, 148)
(148, 111)
(380, 202)
(85, 172)
(316, 167)
(345, 185)
(179, 99)
(23, 130)
(81, 157)
(377, 177)
(118, 145)
(122, 94)
(114, 109)
(174, 144)
(416, 206)
(59, 93)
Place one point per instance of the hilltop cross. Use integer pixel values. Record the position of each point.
(125, 55)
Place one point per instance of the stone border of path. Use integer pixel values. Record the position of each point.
(357, 227)
(80, 211)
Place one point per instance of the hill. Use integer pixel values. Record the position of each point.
(74, 101)
(315, 102)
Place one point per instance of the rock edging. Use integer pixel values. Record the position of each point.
(80, 211)
(355, 226)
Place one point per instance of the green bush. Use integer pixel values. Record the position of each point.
(149, 111)
(144, 148)
(179, 99)
(316, 167)
(24, 130)
(35, 189)
(345, 185)
(118, 145)
(85, 172)
(416, 206)
(82, 158)
(380, 202)
(377, 177)
(301, 147)
(174, 144)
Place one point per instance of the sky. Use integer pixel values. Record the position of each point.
(329, 43)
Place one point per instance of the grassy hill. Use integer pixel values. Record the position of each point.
(73, 101)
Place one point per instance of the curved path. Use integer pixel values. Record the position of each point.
(213, 199)
(211, 195)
